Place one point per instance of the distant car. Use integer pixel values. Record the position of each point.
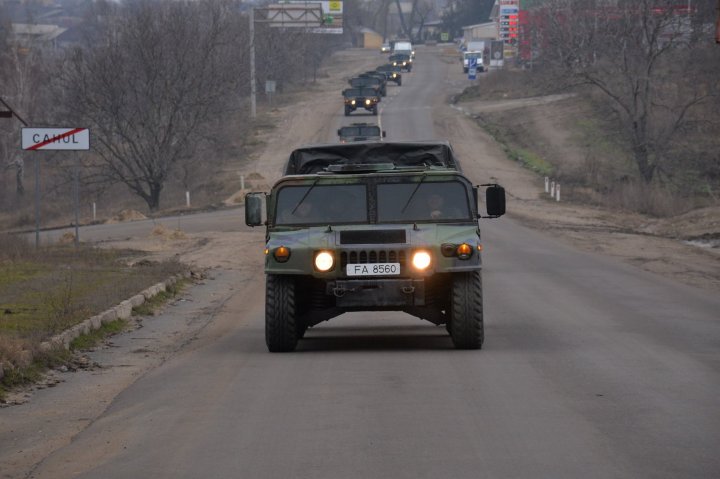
(402, 60)
(369, 82)
(466, 61)
(366, 98)
(385, 48)
(391, 72)
(360, 132)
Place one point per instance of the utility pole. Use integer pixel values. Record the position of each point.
(717, 25)
(253, 87)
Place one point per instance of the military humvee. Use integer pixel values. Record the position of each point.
(366, 98)
(401, 60)
(360, 132)
(369, 82)
(373, 227)
(391, 72)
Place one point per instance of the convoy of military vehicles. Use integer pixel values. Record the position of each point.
(372, 225)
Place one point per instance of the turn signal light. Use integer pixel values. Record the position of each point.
(281, 254)
(464, 251)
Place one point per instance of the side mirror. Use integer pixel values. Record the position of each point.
(495, 200)
(253, 209)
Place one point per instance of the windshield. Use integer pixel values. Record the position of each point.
(352, 92)
(321, 204)
(360, 81)
(428, 201)
(360, 131)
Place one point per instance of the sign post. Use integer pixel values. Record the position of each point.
(472, 68)
(69, 139)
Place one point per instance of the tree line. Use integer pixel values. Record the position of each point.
(655, 67)
(162, 85)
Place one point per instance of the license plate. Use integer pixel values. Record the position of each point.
(373, 269)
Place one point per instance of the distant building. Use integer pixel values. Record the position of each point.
(481, 31)
(35, 36)
(369, 39)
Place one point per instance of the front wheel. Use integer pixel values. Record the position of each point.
(374, 110)
(281, 331)
(466, 311)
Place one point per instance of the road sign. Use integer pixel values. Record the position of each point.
(472, 68)
(55, 139)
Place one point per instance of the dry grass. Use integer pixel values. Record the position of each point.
(43, 292)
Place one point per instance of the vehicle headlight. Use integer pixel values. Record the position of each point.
(394, 75)
(281, 254)
(367, 102)
(421, 260)
(352, 102)
(324, 261)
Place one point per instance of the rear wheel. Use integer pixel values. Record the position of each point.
(466, 311)
(281, 331)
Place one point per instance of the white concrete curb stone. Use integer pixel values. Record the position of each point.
(121, 311)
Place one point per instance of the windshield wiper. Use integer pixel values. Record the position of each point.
(305, 196)
(413, 193)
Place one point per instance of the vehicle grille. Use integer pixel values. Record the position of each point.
(372, 237)
(372, 256)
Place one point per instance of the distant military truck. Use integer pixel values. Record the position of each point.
(392, 73)
(360, 132)
(369, 82)
(381, 78)
(367, 98)
(373, 227)
(401, 60)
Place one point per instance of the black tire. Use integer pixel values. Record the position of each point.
(280, 326)
(399, 82)
(347, 111)
(374, 110)
(300, 328)
(466, 311)
(465, 70)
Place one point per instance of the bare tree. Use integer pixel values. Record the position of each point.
(149, 83)
(636, 54)
(412, 27)
(22, 73)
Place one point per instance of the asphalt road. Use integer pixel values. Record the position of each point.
(591, 369)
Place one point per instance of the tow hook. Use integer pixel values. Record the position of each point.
(408, 289)
(340, 292)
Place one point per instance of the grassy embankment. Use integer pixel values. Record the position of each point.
(43, 292)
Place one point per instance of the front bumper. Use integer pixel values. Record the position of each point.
(377, 293)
